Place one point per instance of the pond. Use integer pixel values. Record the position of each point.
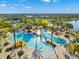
(75, 25)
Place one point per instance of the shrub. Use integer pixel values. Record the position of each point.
(9, 49)
(20, 53)
(0, 50)
(8, 57)
(6, 43)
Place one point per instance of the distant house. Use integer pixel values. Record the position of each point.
(14, 19)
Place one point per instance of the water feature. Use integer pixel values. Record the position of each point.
(75, 25)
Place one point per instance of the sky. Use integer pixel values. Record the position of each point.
(39, 6)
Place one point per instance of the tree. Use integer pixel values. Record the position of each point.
(20, 53)
(21, 43)
(9, 57)
(73, 48)
(14, 30)
(67, 26)
(43, 22)
(26, 21)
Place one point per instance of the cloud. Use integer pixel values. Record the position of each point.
(12, 7)
(3, 5)
(46, 1)
(23, 0)
(54, 0)
(15, 5)
(68, 9)
(28, 7)
(50, 1)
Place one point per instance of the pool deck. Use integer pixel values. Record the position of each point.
(31, 53)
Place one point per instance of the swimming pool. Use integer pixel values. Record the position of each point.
(28, 36)
(54, 39)
(35, 42)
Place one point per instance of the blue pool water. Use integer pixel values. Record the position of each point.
(29, 36)
(54, 39)
(23, 36)
(40, 44)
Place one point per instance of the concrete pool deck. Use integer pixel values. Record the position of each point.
(31, 53)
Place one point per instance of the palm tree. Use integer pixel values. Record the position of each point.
(73, 48)
(25, 21)
(14, 30)
(20, 53)
(21, 43)
(53, 21)
(68, 27)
